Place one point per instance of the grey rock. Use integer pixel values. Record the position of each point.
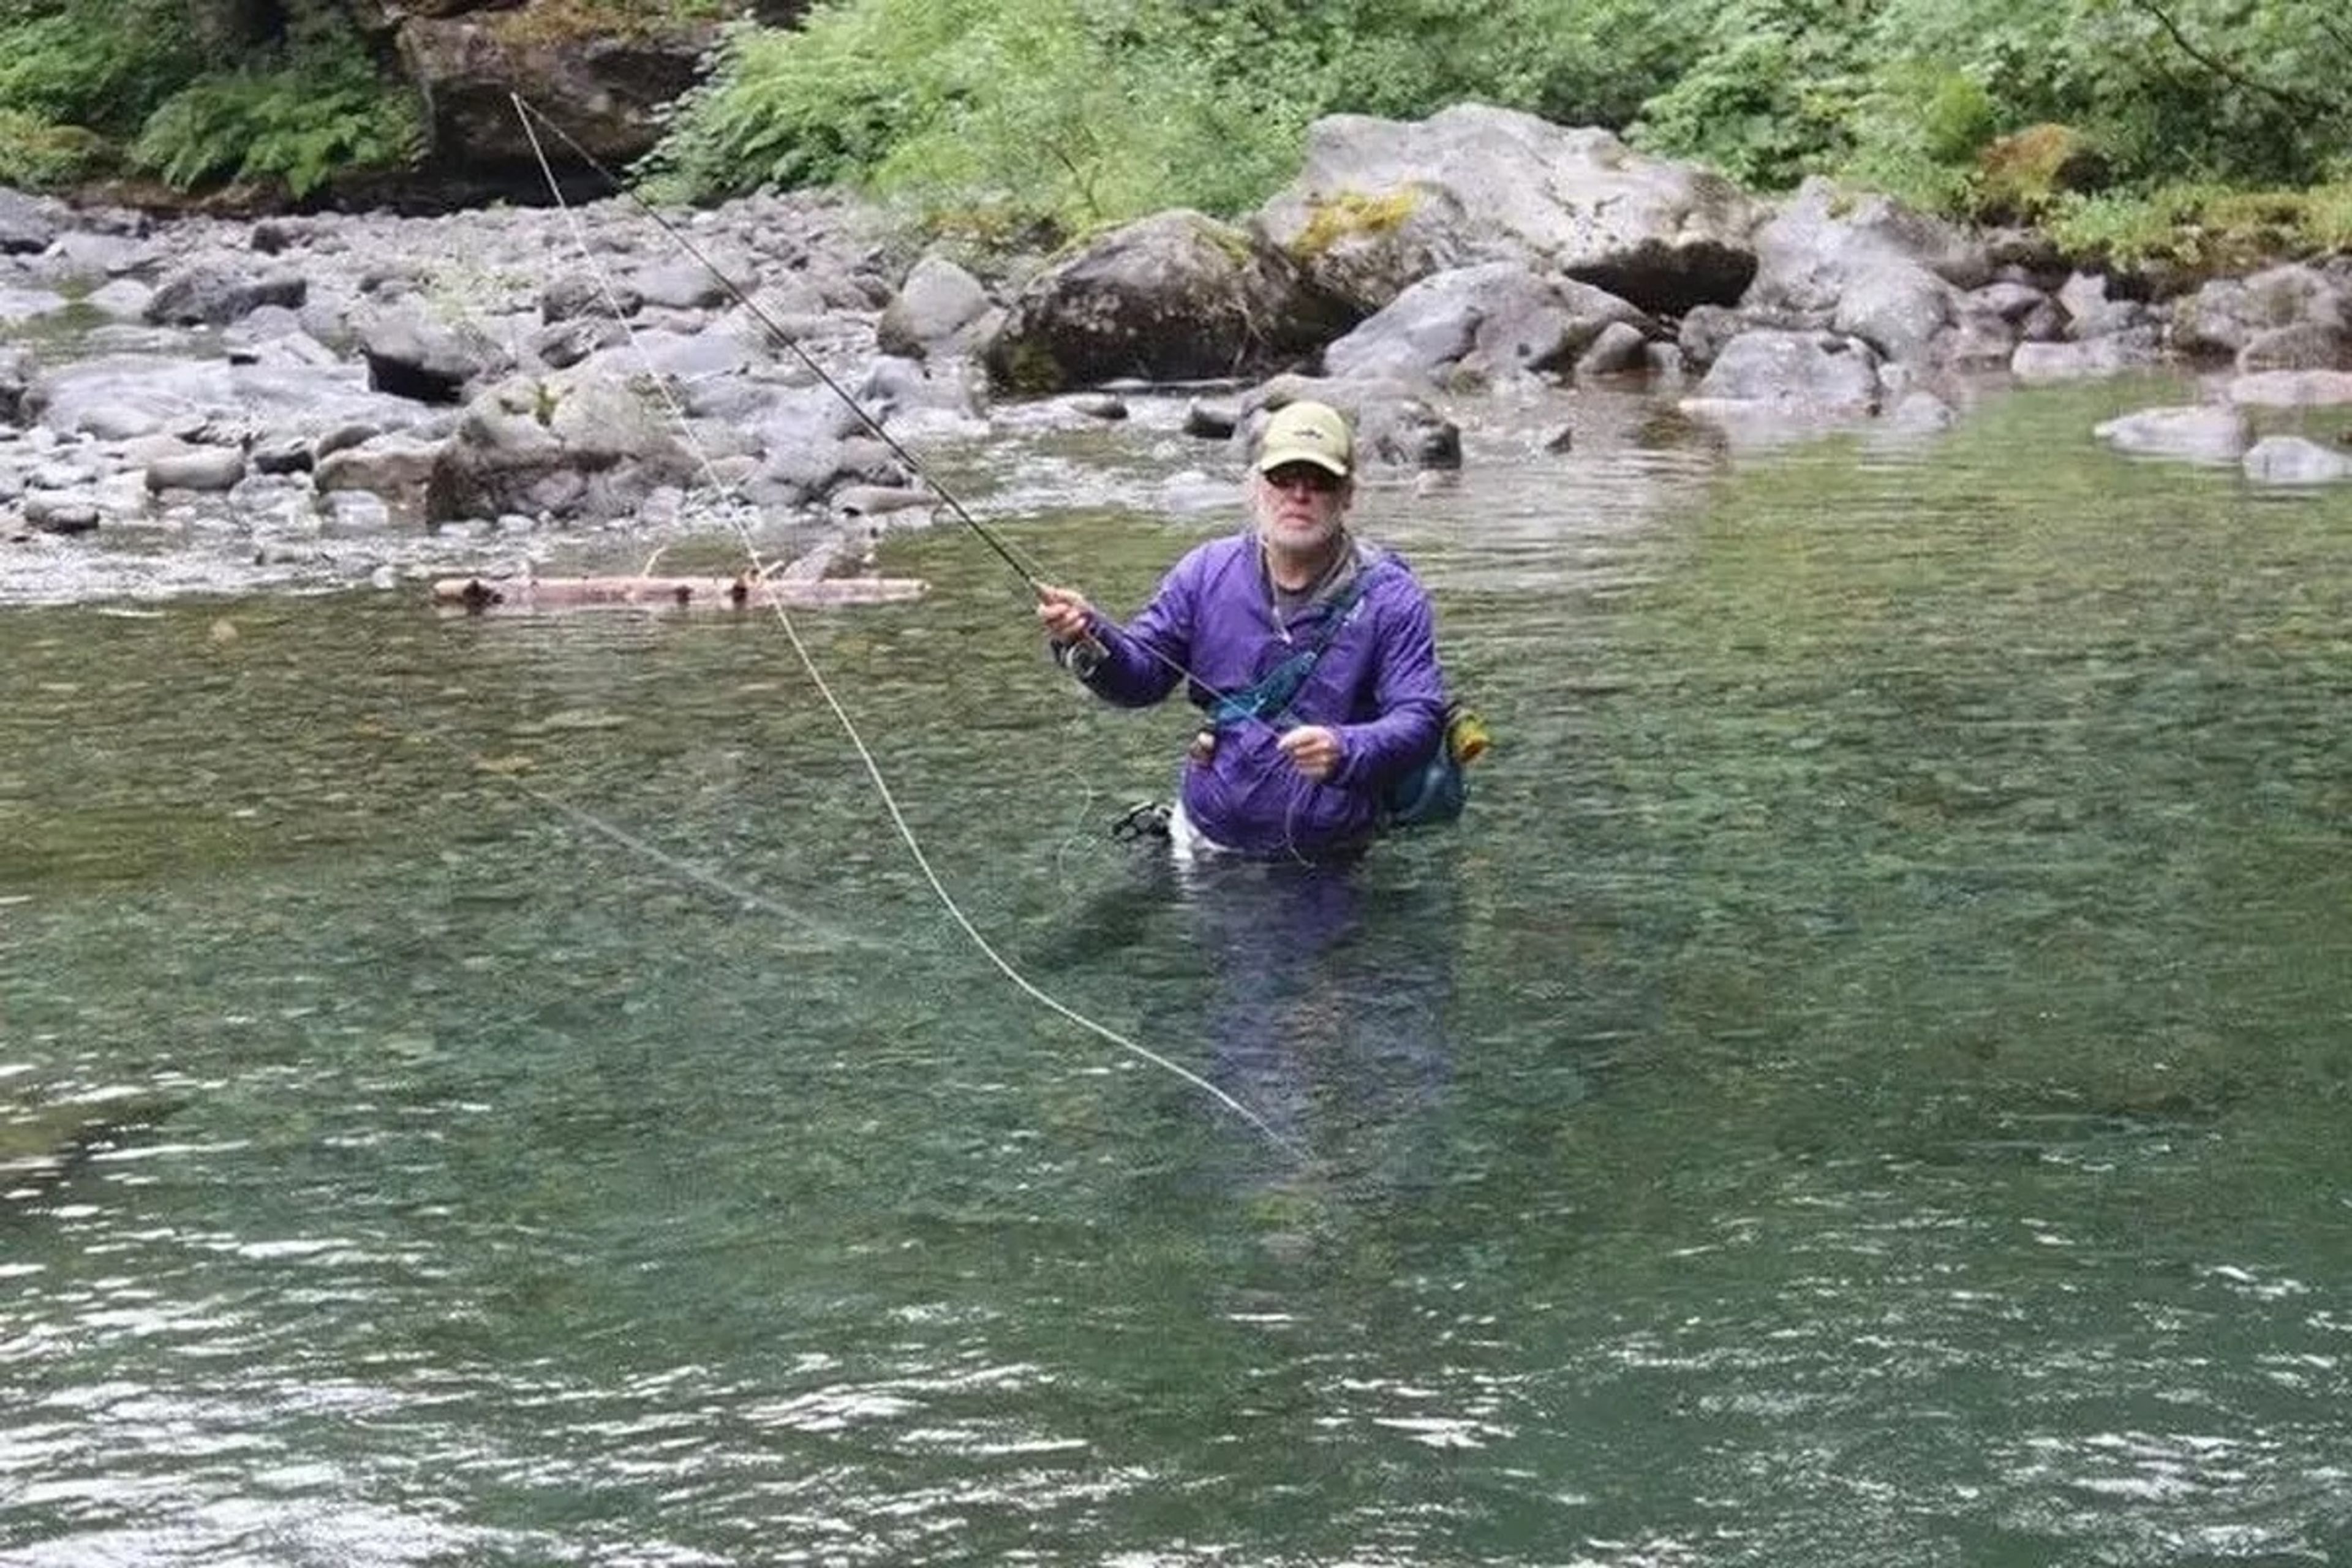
(572, 296)
(415, 356)
(1811, 371)
(2292, 389)
(1484, 323)
(209, 470)
(2304, 345)
(1621, 347)
(2293, 460)
(938, 309)
(20, 305)
(1379, 204)
(2041, 362)
(282, 454)
(1212, 419)
(397, 467)
(50, 511)
(1898, 307)
(27, 224)
(1176, 297)
(212, 294)
(125, 298)
(2196, 433)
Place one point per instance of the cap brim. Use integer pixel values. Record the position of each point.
(1285, 456)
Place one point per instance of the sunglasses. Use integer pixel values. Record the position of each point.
(1303, 476)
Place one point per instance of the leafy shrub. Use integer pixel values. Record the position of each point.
(36, 156)
(1916, 129)
(282, 125)
(2203, 227)
(103, 65)
(1773, 96)
(312, 105)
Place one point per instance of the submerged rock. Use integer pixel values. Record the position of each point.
(2199, 433)
(41, 1142)
(2292, 461)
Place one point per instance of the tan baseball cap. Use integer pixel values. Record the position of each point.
(1308, 433)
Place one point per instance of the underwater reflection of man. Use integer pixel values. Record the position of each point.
(1311, 655)
(1326, 1003)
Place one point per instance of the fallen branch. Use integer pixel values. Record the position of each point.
(482, 595)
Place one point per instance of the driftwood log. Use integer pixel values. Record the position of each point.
(482, 595)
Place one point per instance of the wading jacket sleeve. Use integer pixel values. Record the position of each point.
(1377, 683)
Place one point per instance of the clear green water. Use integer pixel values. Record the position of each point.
(1867, 1085)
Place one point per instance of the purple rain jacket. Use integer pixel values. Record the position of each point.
(1377, 682)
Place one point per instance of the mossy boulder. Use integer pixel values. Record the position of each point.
(1380, 205)
(2020, 176)
(1175, 297)
(604, 73)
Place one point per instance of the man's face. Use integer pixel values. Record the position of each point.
(1299, 506)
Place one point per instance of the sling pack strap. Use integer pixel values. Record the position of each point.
(1274, 691)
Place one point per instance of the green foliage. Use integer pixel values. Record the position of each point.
(1917, 130)
(2022, 177)
(1773, 95)
(101, 64)
(1062, 115)
(1030, 112)
(309, 109)
(2204, 227)
(282, 125)
(79, 78)
(818, 106)
(36, 156)
(2168, 89)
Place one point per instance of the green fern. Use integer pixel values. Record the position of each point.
(276, 125)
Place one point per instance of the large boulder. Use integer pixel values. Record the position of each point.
(606, 86)
(2293, 460)
(571, 445)
(1484, 324)
(2037, 362)
(1900, 308)
(2223, 316)
(1175, 297)
(213, 293)
(939, 309)
(2292, 389)
(1823, 240)
(120, 397)
(2307, 345)
(397, 468)
(411, 354)
(1796, 373)
(2196, 433)
(29, 224)
(1380, 205)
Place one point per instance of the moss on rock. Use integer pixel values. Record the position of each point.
(1351, 214)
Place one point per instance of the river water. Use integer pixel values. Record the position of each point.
(1865, 1085)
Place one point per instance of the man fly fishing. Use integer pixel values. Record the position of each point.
(1311, 655)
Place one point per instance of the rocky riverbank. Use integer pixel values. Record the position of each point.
(219, 405)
